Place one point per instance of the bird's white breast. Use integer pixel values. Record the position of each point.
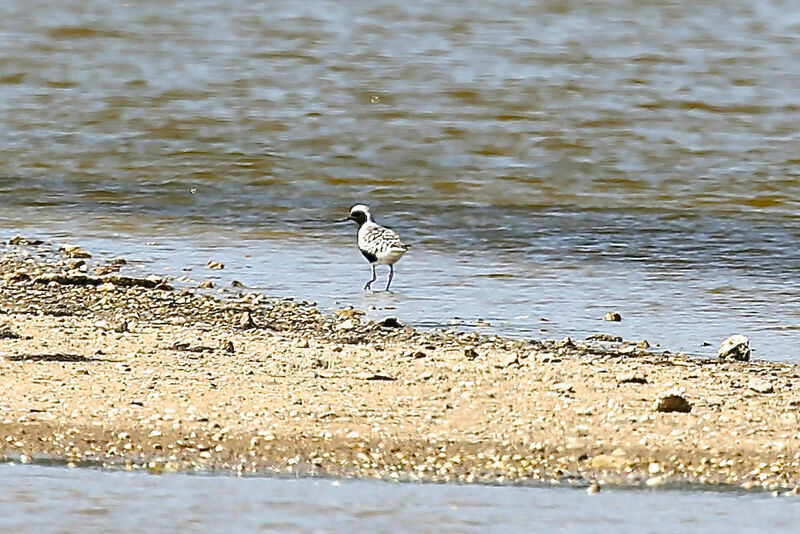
(382, 242)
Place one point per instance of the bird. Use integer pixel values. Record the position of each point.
(378, 244)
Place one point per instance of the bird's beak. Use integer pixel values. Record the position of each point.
(343, 220)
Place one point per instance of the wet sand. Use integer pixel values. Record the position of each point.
(119, 371)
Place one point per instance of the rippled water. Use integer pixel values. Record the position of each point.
(48, 499)
(556, 159)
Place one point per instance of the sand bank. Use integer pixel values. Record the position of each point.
(101, 369)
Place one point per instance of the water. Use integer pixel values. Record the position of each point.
(547, 159)
(86, 500)
(552, 160)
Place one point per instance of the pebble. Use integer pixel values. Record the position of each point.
(347, 324)
(609, 462)
(562, 387)
(246, 321)
(506, 361)
(672, 401)
(122, 327)
(612, 316)
(217, 265)
(632, 379)
(736, 347)
(761, 386)
(19, 240)
(610, 338)
(106, 287)
(390, 322)
(205, 284)
(654, 468)
(74, 251)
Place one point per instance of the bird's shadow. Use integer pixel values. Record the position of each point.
(56, 357)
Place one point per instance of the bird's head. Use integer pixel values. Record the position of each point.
(358, 213)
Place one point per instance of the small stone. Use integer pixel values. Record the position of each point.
(470, 352)
(593, 488)
(155, 279)
(7, 333)
(74, 251)
(562, 388)
(348, 324)
(643, 344)
(736, 347)
(672, 401)
(122, 327)
(761, 386)
(236, 283)
(612, 316)
(16, 276)
(390, 322)
(565, 343)
(228, 347)
(632, 379)
(217, 265)
(246, 321)
(609, 462)
(19, 240)
(102, 270)
(106, 287)
(349, 313)
(380, 377)
(605, 337)
(506, 361)
(425, 375)
(205, 284)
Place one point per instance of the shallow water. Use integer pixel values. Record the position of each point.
(546, 159)
(53, 499)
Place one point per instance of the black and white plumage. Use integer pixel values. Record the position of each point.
(378, 244)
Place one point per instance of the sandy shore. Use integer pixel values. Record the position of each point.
(119, 371)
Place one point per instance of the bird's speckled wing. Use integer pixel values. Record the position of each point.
(377, 239)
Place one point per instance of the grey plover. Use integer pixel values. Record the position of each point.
(379, 245)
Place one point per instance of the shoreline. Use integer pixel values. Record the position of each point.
(121, 371)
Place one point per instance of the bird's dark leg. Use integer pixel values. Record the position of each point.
(391, 275)
(374, 276)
